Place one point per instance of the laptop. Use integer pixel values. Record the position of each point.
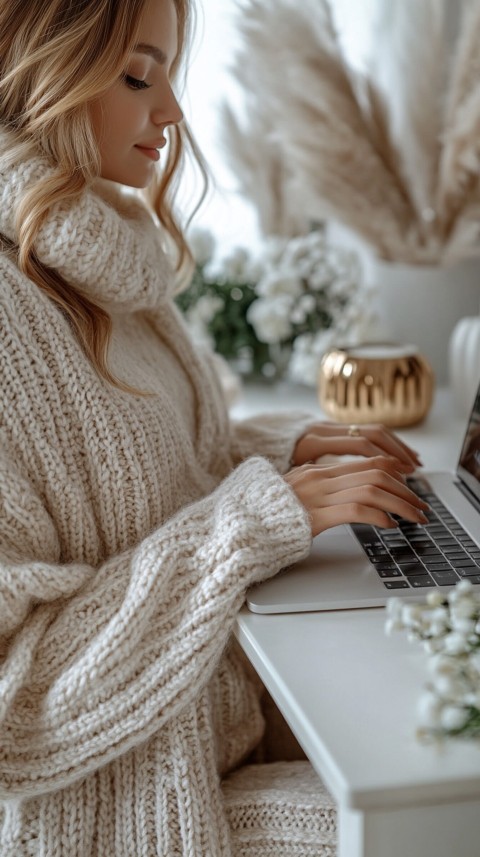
(356, 565)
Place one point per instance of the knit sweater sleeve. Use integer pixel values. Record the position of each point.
(95, 660)
(272, 435)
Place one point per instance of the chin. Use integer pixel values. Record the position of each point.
(133, 179)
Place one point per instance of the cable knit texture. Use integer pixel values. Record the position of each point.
(130, 528)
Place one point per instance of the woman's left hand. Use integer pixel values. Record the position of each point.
(366, 440)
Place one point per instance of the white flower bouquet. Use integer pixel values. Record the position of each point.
(278, 310)
(449, 626)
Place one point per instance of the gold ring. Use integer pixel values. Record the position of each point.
(353, 431)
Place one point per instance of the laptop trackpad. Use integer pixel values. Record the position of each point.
(335, 576)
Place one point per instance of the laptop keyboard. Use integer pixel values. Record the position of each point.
(421, 556)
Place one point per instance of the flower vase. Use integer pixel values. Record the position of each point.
(464, 362)
(421, 304)
(268, 363)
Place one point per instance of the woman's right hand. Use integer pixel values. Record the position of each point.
(366, 491)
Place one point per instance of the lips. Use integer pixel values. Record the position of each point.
(149, 151)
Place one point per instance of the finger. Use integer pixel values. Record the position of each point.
(373, 431)
(320, 486)
(350, 513)
(388, 441)
(378, 478)
(315, 447)
(312, 473)
(377, 498)
(358, 465)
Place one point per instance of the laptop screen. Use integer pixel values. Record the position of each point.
(469, 463)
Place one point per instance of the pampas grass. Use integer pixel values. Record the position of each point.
(460, 161)
(263, 174)
(330, 144)
(410, 63)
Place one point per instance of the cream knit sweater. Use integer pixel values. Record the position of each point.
(129, 530)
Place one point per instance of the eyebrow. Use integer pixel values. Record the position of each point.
(152, 51)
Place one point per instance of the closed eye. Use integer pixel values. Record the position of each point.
(135, 83)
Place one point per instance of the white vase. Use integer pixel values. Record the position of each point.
(421, 304)
(464, 361)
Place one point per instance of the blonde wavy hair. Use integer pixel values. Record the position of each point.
(57, 57)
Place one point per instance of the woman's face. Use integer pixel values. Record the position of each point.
(130, 119)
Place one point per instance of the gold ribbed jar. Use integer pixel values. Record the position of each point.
(381, 383)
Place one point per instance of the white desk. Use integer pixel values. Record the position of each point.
(349, 693)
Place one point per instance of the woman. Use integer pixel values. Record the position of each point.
(133, 514)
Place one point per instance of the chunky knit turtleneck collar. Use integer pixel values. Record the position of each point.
(104, 243)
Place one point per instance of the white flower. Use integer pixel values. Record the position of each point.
(307, 303)
(474, 661)
(298, 315)
(205, 308)
(273, 249)
(297, 248)
(463, 608)
(394, 608)
(305, 268)
(462, 589)
(443, 665)
(307, 352)
(450, 687)
(353, 327)
(432, 646)
(303, 343)
(212, 272)
(455, 643)
(473, 699)
(453, 717)
(429, 709)
(392, 625)
(440, 613)
(437, 629)
(254, 270)
(411, 615)
(463, 625)
(322, 341)
(202, 245)
(435, 598)
(303, 368)
(281, 282)
(234, 267)
(454, 656)
(199, 333)
(270, 318)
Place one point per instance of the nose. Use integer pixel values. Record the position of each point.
(170, 112)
